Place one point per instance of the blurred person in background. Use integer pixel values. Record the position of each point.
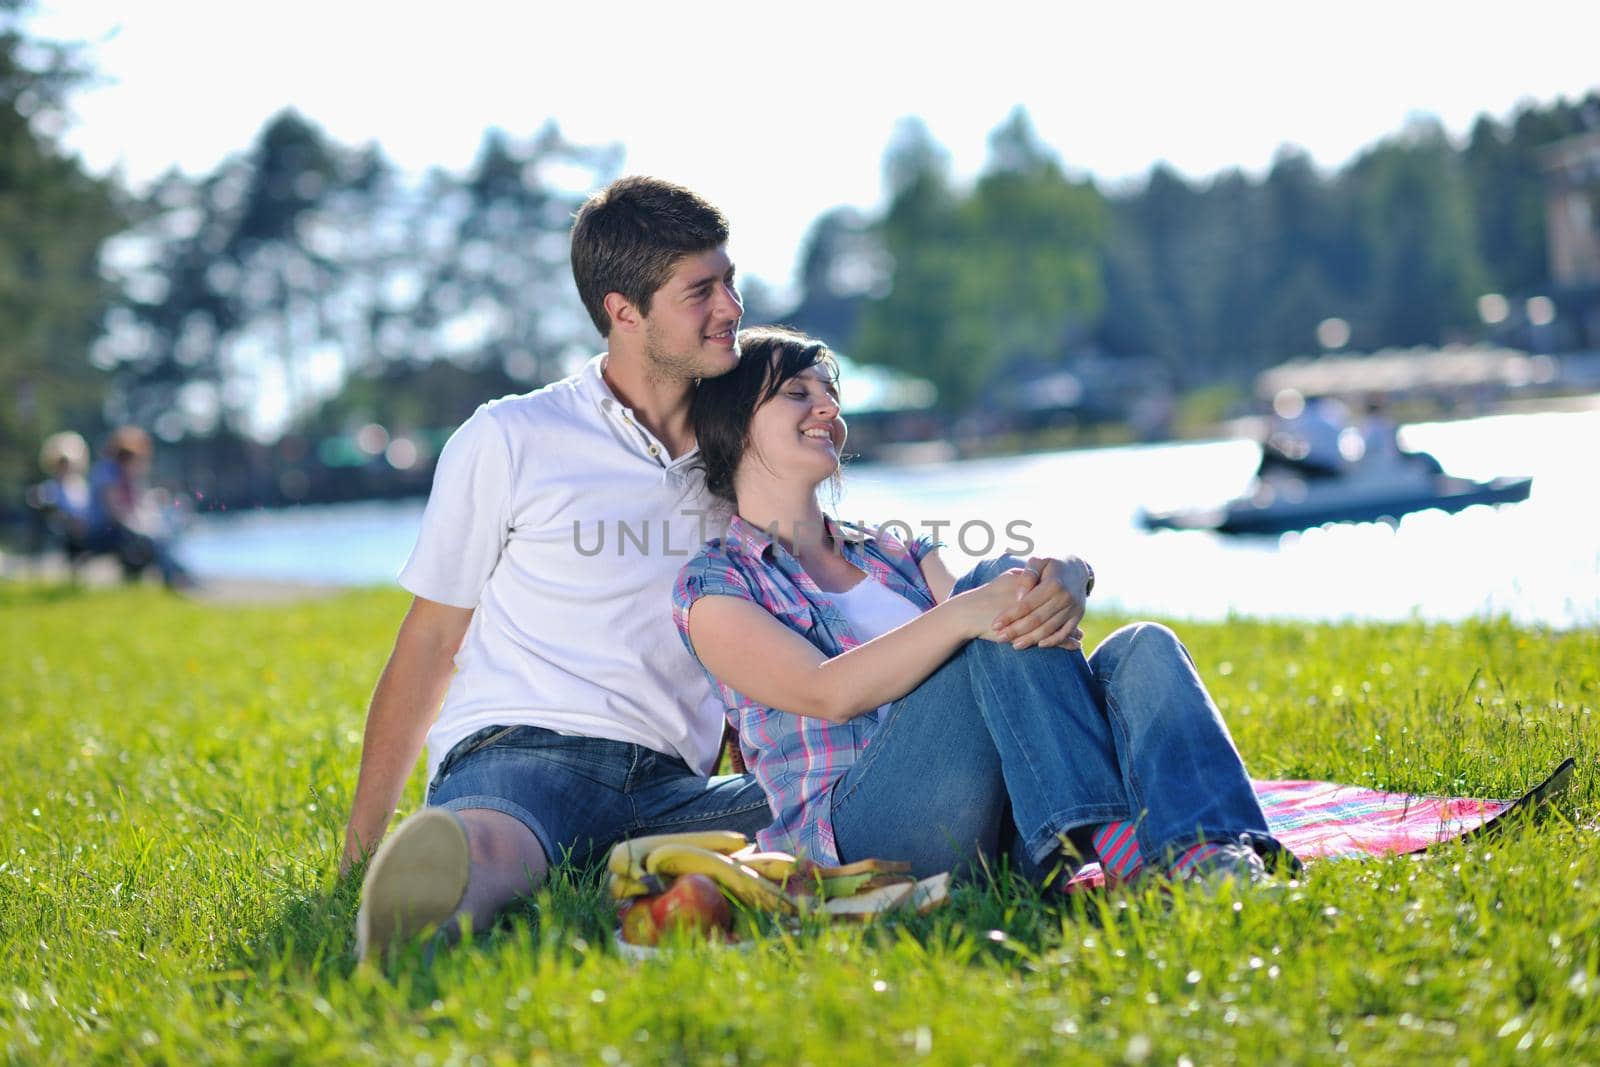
(1303, 438)
(126, 516)
(1379, 452)
(61, 503)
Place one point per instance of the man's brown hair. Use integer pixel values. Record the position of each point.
(630, 235)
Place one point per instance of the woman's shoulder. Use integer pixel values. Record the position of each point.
(719, 565)
(715, 551)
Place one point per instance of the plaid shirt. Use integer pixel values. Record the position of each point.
(797, 759)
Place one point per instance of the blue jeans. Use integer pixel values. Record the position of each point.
(1001, 750)
(581, 795)
(136, 551)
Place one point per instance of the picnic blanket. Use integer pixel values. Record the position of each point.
(1325, 820)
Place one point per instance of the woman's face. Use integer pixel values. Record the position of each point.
(798, 435)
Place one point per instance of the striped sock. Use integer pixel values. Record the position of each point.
(1193, 855)
(1118, 850)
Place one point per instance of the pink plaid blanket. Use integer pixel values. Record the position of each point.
(1324, 820)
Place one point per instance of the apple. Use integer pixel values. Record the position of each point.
(694, 902)
(639, 925)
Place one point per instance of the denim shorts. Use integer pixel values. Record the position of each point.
(581, 795)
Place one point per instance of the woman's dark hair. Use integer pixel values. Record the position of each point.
(723, 406)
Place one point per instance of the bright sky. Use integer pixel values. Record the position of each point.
(779, 112)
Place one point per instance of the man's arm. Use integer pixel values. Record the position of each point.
(403, 706)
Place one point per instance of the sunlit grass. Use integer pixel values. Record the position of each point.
(179, 774)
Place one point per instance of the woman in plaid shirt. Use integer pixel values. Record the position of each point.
(891, 710)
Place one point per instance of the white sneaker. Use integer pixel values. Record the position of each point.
(416, 880)
(1230, 864)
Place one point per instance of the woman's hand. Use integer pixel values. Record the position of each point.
(1047, 614)
(980, 606)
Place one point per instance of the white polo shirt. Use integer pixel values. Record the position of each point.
(563, 522)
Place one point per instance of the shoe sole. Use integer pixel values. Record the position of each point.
(417, 879)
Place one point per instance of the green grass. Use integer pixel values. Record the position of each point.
(179, 774)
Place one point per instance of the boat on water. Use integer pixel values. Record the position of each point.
(1318, 467)
(1283, 504)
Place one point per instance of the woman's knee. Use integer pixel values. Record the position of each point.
(1001, 655)
(987, 571)
(1139, 655)
(1137, 639)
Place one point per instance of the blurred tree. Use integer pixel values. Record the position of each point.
(1312, 261)
(1004, 274)
(287, 251)
(1154, 273)
(1234, 268)
(914, 163)
(842, 263)
(227, 281)
(1415, 216)
(1502, 166)
(305, 264)
(53, 219)
(1039, 236)
(503, 296)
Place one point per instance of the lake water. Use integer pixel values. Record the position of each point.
(1538, 561)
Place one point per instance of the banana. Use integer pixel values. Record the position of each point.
(741, 882)
(623, 886)
(775, 866)
(627, 858)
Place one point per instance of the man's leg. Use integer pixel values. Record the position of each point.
(446, 870)
(670, 798)
(506, 863)
(505, 805)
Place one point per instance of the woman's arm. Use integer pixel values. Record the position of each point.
(937, 574)
(749, 650)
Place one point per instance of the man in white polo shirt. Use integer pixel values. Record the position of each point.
(542, 576)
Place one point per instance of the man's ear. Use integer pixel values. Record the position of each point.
(624, 316)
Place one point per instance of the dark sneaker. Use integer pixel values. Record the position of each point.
(416, 880)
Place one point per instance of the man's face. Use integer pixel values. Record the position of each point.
(692, 330)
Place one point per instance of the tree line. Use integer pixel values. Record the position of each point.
(1214, 279)
(317, 273)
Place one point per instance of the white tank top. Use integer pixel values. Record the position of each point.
(873, 609)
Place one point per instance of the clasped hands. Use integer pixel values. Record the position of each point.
(1052, 595)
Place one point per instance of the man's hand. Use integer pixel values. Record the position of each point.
(353, 856)
(1048, 614)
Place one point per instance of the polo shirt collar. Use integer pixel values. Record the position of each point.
(592, 385)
